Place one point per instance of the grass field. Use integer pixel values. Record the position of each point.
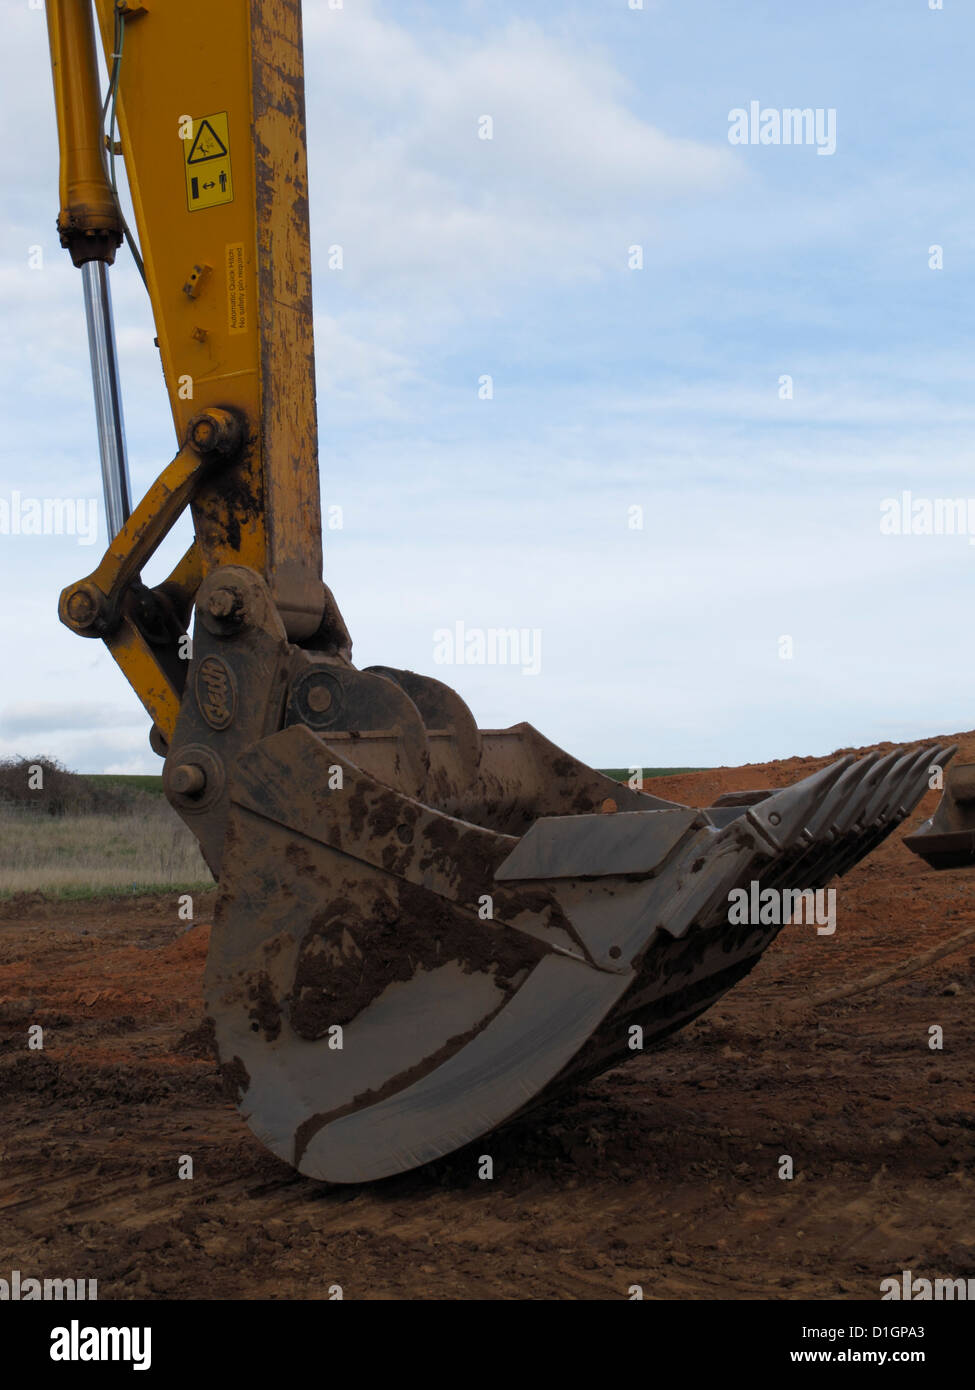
(146, 847)
(142, 781)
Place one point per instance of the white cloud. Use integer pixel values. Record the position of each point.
(401, 179)
(53, 718)
(352, 371)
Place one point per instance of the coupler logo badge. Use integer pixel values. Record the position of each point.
(216, 692)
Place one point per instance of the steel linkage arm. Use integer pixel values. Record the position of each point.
(142, 627)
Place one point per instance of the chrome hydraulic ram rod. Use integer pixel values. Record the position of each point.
(108, 396)
(90, 227)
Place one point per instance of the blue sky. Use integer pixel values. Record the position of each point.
(613, 387)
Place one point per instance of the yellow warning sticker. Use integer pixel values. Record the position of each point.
(236, 288)
(206, 154)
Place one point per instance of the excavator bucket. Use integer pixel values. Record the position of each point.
(423, 929)
(947, 839)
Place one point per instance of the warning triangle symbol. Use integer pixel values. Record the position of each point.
(207, 145)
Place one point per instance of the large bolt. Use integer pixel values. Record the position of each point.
(223, 603)
(82, 608)
(319, 698)
(215, 430)
(188, 779)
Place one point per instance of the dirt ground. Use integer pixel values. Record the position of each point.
(663, 1173)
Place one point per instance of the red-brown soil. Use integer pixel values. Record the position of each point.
(662, 1173)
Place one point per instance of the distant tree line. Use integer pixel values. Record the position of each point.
(44, 785)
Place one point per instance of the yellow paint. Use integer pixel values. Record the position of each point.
(241, 336)
(139, 665)
(184, 59)
(206, 153)
(231, 70)
(87, 202)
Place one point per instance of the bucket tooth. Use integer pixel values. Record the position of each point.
(868, 814)
(851, 825)
(877, 808)
(911, 785)
(783, 817)
(906, 787)
(848, 816)
(813, 864)
(840, 807)
(922, 776)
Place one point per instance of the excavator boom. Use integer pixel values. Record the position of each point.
(423, 928)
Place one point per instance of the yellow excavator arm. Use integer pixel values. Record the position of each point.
(422, 928)
(210, 106)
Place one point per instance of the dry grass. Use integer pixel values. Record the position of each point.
(144, 846)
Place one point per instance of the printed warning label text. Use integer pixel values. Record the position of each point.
(236, 288)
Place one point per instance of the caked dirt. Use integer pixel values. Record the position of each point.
(663, 1173)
